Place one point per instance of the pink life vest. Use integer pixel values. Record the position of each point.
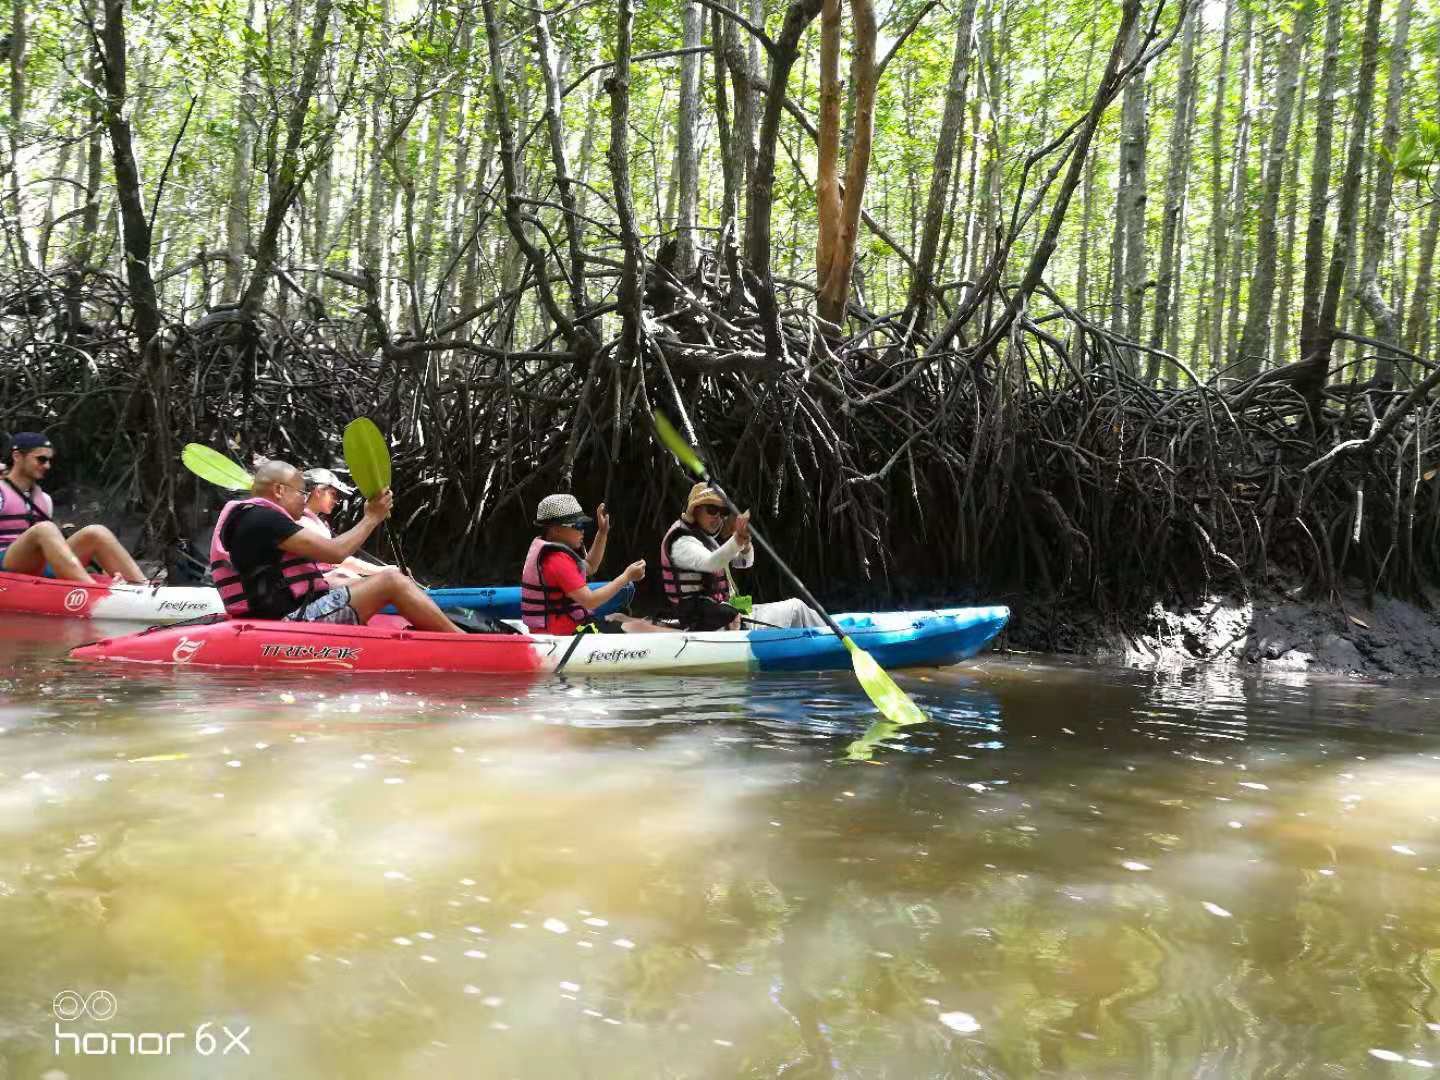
(680, 583)
(303, 577)
(19, 511)
(540, 602)
(314, 522)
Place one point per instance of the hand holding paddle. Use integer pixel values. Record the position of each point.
(368, 459)
(896, 708)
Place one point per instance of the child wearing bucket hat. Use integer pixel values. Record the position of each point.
(554, 596)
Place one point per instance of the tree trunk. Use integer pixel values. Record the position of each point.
(237, 209)
(1418, 338)
(1134, 141)
(510, 171)
(1219, 228)
(1234, 240)
(1177, 173)
(1255, 342)
(17, 60)
(922, 282)
(1312, 287)
(1309, 378)
(293, 168)
(783, 53)
(687, 141)
(135, 227)
(1371, 296)
(618, 155)
(1280, 340)
(555, 125)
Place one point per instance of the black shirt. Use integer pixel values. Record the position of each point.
(255, 535)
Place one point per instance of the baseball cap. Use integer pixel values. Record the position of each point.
(319, 477)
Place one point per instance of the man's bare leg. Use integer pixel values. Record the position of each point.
(41, 544)
(392, 587)
(97, 543)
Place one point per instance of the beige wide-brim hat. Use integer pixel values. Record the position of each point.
(701, 495)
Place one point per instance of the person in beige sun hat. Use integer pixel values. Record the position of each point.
(695, 567)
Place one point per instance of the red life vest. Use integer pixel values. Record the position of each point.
(539, 602)
(301, 576)
(680, 583)
(19, 511)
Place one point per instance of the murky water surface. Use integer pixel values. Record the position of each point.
(1072, 872)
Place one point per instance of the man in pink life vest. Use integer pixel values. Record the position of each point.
(695, 570)
(554, 596)
(29, 539)
(267, 566)
(325, 491)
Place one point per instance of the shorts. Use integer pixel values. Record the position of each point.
(332, 607)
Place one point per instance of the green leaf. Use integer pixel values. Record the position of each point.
(215, 467)
(367, 456)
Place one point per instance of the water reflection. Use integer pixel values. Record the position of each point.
(1071, 872)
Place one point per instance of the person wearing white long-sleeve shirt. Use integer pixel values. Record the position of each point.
(695, 569)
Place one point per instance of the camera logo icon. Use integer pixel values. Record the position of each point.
(72, 1005)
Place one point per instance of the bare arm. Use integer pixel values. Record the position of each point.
(597, 550)
(312, 545)
(590, 599)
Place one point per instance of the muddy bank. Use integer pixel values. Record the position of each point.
(1273, 630)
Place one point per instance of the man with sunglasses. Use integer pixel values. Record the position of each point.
(30, 539)
(695, 570)
(267, 566)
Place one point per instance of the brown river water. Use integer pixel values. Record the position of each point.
(1073, 871)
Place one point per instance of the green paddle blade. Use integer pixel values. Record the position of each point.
(676, 444)
(897, 710)
(215, 467)
(367, 456)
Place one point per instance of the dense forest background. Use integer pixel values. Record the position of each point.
(1105, 298)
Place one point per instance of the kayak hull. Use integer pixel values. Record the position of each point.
(895, 639)
(26, 594)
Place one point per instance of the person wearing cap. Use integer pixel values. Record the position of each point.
(29, 539)
(554, 596)
(695, 569)
(266, 565)
(325, 491)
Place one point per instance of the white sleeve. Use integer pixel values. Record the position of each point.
(687, 553)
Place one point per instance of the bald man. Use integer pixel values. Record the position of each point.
(267, 566)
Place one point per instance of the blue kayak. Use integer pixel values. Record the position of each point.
(503, 601)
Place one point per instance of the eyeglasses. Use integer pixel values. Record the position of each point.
(305, 491)
(46, 460)
(718, 511)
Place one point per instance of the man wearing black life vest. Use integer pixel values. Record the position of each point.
(554, 596)
(29, 539)
(267, 566)
(695, 570)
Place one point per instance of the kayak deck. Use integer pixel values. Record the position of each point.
(895, 639)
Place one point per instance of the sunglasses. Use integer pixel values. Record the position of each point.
(46, 460)
(718, 511)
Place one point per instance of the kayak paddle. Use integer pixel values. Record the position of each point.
(215, 467)
(894, 704)
(367, 457)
